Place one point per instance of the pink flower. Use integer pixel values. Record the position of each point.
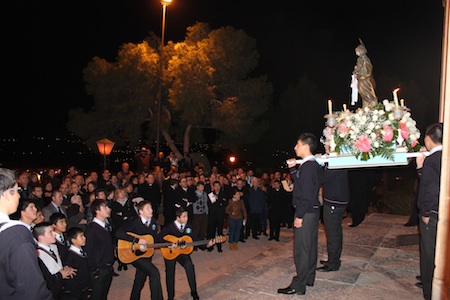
(414, 143)
(363, 143)
(342, 127)
(388, 134)
(404, 130)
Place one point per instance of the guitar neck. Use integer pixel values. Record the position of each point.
(158, 245)
(197, 243)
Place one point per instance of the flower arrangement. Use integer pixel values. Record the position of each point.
(370, 132)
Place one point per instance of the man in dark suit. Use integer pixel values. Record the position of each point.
(305, 199)
(429, 171)
(336, 195)
(54, 206)
(276, 197)
(186, 196)
(151, 191)
(169, 191)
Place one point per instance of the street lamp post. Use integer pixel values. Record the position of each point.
(105, 147)
(164, 4)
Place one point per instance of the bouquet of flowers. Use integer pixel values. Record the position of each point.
(370, 132)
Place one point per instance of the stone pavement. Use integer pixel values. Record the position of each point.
(377, 263)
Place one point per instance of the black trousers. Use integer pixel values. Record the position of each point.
(305, 252)
(215, 226)
(199, 225)
(254, 221)
(332, 219)
(101, 284)
(145, 268)
(427, 249)
(186, 261)
(275, 224)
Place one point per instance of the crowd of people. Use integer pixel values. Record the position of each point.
(76, 219)
(75, 222)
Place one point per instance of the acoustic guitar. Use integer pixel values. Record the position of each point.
(128, 252)
(185, 245)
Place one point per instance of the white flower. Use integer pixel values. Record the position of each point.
(370, 122)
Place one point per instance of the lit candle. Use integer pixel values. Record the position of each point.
(344, 106)
(330, 107)
(402, 102)
(395, 96)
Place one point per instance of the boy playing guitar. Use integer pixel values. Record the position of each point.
(179, 228)
(141, 227)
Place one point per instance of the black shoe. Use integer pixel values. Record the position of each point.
(256, 238)
(419, 284)
(265, 234)
(326, 268)
(210, 249)
(324, 262)
(125, 267)
(115, 274)
(290, 291)
(119, 268)
(310, 284)
(219, 250)
(353, 225)
(418, 277)
(194, 296)
(270, 239)
(277, 240)
(242, 240)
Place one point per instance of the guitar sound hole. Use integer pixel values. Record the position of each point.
(139, 252)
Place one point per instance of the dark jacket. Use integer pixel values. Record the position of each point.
(307, 181)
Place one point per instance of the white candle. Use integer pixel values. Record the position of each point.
(330, 107)
(344, 106)
(395, 96)
(402, 102)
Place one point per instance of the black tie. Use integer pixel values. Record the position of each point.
(53, 254)
(181, 227)
(82, 253)
(59, 209)
(147, 223)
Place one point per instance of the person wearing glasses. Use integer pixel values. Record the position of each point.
(20, 275)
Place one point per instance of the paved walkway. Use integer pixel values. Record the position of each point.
(376, 264)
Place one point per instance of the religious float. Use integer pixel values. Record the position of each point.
(377, 134)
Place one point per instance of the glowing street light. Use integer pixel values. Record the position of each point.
(164, 4)
(105, 147)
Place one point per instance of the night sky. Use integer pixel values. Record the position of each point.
(46, 45)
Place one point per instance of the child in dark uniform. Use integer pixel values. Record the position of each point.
(179, 228)
(59, 222)
(77, 287)
(145, 224)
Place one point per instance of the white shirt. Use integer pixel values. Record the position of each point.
(53, 266)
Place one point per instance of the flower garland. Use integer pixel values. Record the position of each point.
(371, 132)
